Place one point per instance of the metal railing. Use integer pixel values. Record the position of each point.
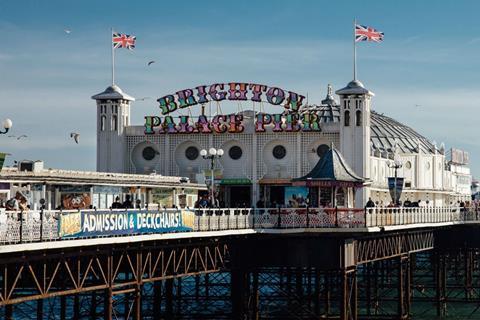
(35, 226)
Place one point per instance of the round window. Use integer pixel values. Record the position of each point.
(191, 153)
(235, 152)
(279, 152)
(408, 165)
(321, 149)
(148, 153)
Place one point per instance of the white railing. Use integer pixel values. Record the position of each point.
(34, 226)
(385, 216)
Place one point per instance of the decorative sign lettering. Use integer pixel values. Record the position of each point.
(232, 123)
(233, 91)
(105, 223)
(290, 121)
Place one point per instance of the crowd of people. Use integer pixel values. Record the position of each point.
(20, 203)
(127, 204)
(419, 203)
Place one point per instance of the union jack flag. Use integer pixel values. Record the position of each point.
(363, 33)
(123, 41)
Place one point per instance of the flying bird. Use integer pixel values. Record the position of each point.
(75, 136)
(143, 99)
(418, 105)
(67, 31)
(22, 136)
(150, 62)
(11, 136)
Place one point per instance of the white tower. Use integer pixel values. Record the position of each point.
(113, 115)
(355, 103)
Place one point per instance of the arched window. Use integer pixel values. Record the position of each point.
(114, 123)
(347, 118)
(358, 118)
(103, 119)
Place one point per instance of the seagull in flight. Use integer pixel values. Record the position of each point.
(150, 62)
(22, 136)
(67, 31)
(75, 136)
(143, 99)
(418, 105)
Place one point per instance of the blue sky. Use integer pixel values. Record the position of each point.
(429, 58)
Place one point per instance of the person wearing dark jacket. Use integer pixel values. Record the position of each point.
(127, 204)
(117, 204)
(370, 203)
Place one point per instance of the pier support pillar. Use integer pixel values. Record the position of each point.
(327, 279)
(63, 307)
(76, 307)
(349, 294)
(469, 266)
(157, 299)
(169, 299)
(238, 289)
(404, 296)
(107, 307)
(207, 285)
(138, 288)
(255, 297)
(316, 290)
(40, 309)
(440, 279)
(9, 312)
(93, 305)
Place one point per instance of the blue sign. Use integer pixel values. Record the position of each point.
(105, 223)
(395, 190)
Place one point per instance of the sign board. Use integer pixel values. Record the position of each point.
(217, 174)
(108, 223)
(459, 156)
(232, 123)
(71, 201)
(233, 91)
(296, 197)
(239, 181)
(289, 121)
(395, 189)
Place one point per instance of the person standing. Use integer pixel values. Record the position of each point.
(127, 204)
(370, 203)
(117, 204)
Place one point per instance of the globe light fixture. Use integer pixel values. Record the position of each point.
(7, 124)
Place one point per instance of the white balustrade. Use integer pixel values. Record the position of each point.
(24, 227)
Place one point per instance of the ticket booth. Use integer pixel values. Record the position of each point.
(332, 183)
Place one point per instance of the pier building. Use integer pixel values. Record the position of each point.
(265, 152)
(73, 189)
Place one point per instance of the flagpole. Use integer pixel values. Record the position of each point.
(113, 57)
(354, 51)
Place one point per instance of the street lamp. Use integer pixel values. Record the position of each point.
(212, 154)
(7, 124)
(395, 164)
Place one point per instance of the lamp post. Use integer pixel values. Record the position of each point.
(396, 164)
(7, 124)
(212, 154)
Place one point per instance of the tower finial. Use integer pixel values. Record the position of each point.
(329, 89)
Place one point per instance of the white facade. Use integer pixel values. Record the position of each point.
(365, 142)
